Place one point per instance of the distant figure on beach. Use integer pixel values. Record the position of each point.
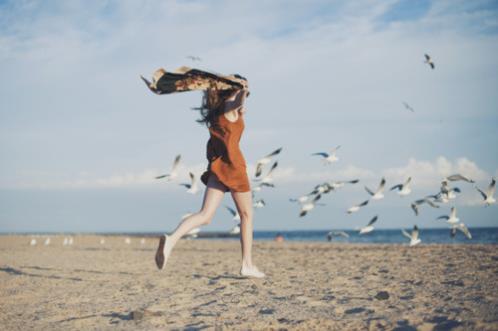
(222, 111)
(279, 238)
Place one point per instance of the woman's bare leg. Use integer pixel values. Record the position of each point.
(213, 195)
(243, 201)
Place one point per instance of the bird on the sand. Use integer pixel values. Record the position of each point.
(329, 158)
(174, 169)
(369, 227)
(403, 189)
(378, 194)
(265, 160)
(488, 196)
(414, 239)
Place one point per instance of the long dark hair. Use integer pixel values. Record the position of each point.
(212, 106)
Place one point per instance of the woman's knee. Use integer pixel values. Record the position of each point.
(245, 214)
(207, 216)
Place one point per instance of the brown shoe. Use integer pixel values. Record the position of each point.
(160, 258)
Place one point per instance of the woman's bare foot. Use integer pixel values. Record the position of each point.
(163, 252)
(251, 271)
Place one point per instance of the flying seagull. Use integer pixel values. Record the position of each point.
(265, 160)
(308, 206)
(339, 184)
(428, 60)
(488, 196)
(456, 177)
(462, 227)
(268, 178)
(259, 203)
(369, 227)
(333, 234)
(414, 239)
(193, 58)
(192, 187)
(329, 158)
(173, 174)
(403, 189)
(301, 199)
(260, 185)
(407, 106)
(377, 195)
(235, 214)
(452, 218)
(417, 203)
(357, 207)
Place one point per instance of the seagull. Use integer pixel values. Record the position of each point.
(193, 233)
(193, 58)
(308, 206)
(407, 106)
(333, 234)
(414, 239)
(47, 242)
(265, 160)
(32, 242)
(235, 214)
(456, 177)
(260, 185)
(102, 241)
(417, 203)
(369, 227)
(329, 157)
(322, 188)
(65, 242)
(355, 208)
(338, 184)
(127, 241)
(451, 219)
(193, 188)
(462, 227)
(428, 60)
(235, 229)
(403, 189)
(142, 241)
(259, 203)
(378, 194)
(488, 196)
(70, 241)
(301, 199)
(173, 174)
(268, 178)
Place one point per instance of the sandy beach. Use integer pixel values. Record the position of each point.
(89, 286)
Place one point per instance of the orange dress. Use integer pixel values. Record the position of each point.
(225, 158)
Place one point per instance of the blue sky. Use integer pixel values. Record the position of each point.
(81, 138)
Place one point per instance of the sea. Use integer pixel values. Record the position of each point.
(378, 236)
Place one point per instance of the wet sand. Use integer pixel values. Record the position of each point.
(309, 286)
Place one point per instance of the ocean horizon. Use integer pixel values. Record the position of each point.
(480, 235)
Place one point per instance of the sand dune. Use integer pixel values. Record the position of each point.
(309, 286)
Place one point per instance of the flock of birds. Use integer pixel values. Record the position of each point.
(68, 241)
(308, 201)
